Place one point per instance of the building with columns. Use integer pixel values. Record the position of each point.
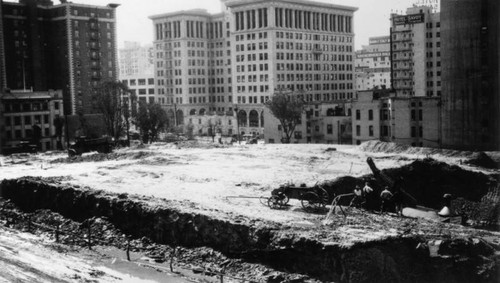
(238, 58)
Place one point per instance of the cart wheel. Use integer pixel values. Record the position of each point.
(323, 196)
(274, 202)
(311, 201)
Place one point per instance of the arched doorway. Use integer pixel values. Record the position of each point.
(180, 117)
(242, 118)
(254, 118)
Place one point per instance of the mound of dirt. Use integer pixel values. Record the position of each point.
(428, 180)
(482, 159)
(389, 147)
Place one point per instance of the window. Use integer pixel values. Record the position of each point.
(370, 131)
(358, 130)
(370, 114)
(358, 114)
(329, 129)
(413, 132)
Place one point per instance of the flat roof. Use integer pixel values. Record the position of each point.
(236, 3)
(192, 12)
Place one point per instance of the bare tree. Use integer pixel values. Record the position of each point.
(111, 99)
(287, 108)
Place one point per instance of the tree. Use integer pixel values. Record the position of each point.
(151, 119)
(287, 108)
(111, 99)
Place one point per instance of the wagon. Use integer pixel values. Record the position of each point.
(312, 198)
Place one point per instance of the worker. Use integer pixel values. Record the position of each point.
(386, 197)
(368, 196)
(357, 199)
(446, 210)
(367, 189)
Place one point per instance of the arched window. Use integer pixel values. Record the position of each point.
(202, 111)
(254, 118)
(242, 118)
(192, 112)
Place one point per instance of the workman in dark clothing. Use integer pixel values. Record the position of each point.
(357, 200)
(386, 197)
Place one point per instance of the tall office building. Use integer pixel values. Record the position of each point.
(237, 59)
(373, 64)
(3, 79)
(67, 46)
(416, 52)
(471, 94)
(137, 71)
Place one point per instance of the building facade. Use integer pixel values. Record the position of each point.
(136, 64)
(471, 94)
(25, 112)
(382, 115)
(328, 123)
(416, 52)
(237, 59)
(373, 64)
(69, 46)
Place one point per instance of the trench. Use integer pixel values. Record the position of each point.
(390, 260)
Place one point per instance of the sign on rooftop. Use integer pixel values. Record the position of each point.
(408, 19)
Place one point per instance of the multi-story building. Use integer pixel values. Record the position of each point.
(373, 64)
(69, 46)
(320, 123)
(3, 79)
(237, 59)
(382, 115)
(137, 71)
(25, 113)
(471, 92)
(416, 52)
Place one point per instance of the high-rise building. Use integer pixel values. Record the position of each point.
(237, 59)
(471, 94)
(416, 52)
(137, 71)
(3, 79)
(67, 46)
(373, 65)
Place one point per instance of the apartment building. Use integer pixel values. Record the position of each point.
(237, 59)
(26, 112)
(136, 65)
(373, 64)
(68, 46)
(321, 122)
(382, 115)
(416, 52)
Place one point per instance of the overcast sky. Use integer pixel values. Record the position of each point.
(372, 18)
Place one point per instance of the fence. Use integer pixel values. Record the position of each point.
(18, 217)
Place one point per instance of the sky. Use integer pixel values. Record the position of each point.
(372, 18)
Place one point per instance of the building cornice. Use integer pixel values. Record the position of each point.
(238, 3)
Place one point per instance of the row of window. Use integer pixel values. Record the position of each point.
(28, 120)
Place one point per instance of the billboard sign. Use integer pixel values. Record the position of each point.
(408, 19)
(379, 40)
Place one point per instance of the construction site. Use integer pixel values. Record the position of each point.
(197, 211)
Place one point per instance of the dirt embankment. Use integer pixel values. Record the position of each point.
(394, 259)
(476, 195)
